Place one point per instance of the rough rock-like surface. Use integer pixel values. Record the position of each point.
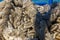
(22, 20)
(17, 20)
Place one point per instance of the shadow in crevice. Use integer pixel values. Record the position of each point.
(40, 25)
(38, 28)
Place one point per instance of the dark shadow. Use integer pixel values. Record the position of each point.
(38, 27)
(41, 22)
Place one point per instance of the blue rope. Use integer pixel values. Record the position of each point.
(41, 2)
(1, 0)
(50, 1)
